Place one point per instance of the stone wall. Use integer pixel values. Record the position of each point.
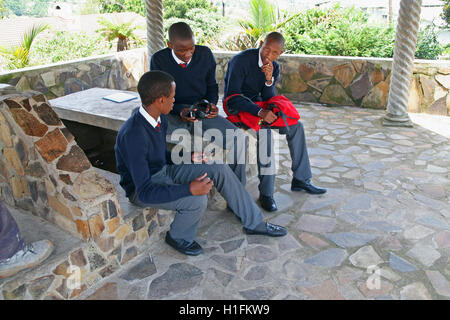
(121, 71)
(333, 81)
(362, 82)
(44, 172)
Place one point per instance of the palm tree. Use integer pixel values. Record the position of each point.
(19, 56)
(263, 19)
(122, 31)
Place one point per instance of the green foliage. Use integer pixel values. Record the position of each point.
(446, 12)
(446, 51)
(428, 47)
(339, 32)
(263, 19)
(16, 6)
(122, 31)
(4, 11)
(63, 46)
(36, 8)
(111, 6)
(205, 24)
(180, 8)
(90, 7)
(19, 56)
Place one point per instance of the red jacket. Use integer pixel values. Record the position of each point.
(280, 105)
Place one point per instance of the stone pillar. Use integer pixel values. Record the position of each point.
(402, 66)
(155, 29)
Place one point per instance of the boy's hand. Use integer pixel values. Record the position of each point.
(184, 117)
(201, 185)
(267, 115)
(198, 157)
(268, 71)
(213, 111)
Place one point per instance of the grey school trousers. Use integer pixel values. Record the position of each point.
(296, 140)
(229, 141)
(189, 210)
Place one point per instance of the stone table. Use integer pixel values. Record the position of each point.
(89, 107)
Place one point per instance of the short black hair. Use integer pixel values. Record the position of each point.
(154, 85)
(180, 31)
(275, 36)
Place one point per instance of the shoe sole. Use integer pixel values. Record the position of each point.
(16, 270)
(300, 189)
(266, 234)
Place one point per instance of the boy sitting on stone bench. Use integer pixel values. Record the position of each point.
(150, 178)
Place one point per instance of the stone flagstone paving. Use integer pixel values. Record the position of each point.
(388, 204)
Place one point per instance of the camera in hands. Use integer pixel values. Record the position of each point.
(199, 110)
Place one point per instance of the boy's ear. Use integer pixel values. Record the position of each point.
(261, 43)
(169, 44)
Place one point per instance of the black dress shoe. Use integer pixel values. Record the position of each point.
(188, 248)
(271, 230)
(268, 203)
(298, 185)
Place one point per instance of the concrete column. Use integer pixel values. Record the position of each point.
(155, 29)
(402, 66)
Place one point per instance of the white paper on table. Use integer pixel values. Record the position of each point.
(119, 97)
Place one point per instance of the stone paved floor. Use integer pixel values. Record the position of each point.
(388, 205)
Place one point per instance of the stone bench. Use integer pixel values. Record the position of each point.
(47, 177)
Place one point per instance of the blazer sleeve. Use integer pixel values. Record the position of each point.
(134, 152)
(235, 81)
(212, 88)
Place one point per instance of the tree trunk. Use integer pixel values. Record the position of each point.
(390, 12)
(122, 44)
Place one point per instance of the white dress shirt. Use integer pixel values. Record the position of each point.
(178, 60)
(149, 118)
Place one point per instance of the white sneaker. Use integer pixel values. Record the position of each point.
(32, 255)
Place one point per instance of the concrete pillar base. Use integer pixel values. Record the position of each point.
(390, 120)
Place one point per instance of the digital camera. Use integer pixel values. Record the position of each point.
(199, 110)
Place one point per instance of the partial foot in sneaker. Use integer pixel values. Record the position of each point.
(32, 255)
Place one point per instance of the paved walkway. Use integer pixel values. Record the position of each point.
(381, 232)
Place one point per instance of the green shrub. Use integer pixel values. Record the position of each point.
(428, 47)
(338, 32)
(180, 8)
(445, 15)
(205, 24)
(63, 46)
(111, 6)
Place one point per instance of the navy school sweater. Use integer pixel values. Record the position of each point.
(195, 82)
(244, 76)
(141, 152)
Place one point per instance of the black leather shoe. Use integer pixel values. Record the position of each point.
(298, 185)
(268, 203)
(188, 248)
(272, 230)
